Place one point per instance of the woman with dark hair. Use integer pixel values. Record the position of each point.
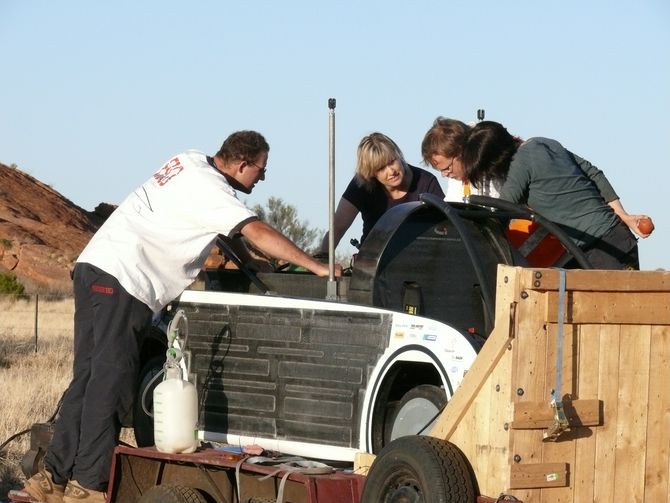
(559, 185)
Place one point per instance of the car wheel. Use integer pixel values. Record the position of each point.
(143, 423)
(419, 469)
(416, 412)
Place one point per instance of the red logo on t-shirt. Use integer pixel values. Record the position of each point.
(106, 290)
(171, 169)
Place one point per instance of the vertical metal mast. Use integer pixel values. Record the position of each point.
(331, 292)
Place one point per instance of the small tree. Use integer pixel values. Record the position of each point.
(10, 285)
(284, 218)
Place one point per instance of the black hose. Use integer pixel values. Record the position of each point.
(230, 253)
(486, 285)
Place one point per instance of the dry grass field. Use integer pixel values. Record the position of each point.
(33, 376)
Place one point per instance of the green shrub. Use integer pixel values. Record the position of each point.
(10, 285)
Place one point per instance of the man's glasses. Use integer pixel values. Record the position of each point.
(260, 168)
(447, 169)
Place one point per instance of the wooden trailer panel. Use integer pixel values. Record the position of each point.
(615, 387)
(585, 452)
(657, 476)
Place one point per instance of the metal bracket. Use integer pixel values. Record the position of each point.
(560, 425)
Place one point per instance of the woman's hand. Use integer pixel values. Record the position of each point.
(641, 225)
(638, 224)
(645, 226)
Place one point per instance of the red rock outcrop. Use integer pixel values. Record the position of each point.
(41, 232)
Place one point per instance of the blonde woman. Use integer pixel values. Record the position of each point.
(383, 179)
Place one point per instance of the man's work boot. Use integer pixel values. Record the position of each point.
(75, 493)
(41, 487)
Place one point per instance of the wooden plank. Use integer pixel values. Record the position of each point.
(472, 435)
(528, 380)
(563, 449)
(657, 485)
(632, 419)
(497, 461)
(588, 356)
(538, 475)
(599, 281)
(534, 415)
(529, 373)
(640, 308)
(482, 432)
(486, 360)
(476, 431)
(608, 384)
(362, 462)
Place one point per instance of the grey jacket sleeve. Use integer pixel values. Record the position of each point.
(515, 187)
(598, 178)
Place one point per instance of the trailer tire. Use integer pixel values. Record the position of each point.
(420, 468)
(415, 412)
(172, 494)
(143, 424)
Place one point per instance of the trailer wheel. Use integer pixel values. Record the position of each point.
(143, 424)
(417, 411)
(419, 469)
(172, 494)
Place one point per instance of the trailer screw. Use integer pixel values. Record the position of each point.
(505, 279)
(538, 274)
(536, 284)
(497, 387)
(506, 426)
(517, 458)
(509, 347)
(524, 295)
(519, 391)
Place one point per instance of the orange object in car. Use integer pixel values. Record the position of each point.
(540, 248)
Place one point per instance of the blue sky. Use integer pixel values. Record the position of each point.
(95, 96)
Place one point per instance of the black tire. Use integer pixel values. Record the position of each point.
(391, 412)
(417, 411)
(143, 424)
(419, 469)
(172, 494)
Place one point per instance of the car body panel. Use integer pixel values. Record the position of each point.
(282, 372)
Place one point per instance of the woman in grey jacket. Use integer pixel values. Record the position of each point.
(560, 186)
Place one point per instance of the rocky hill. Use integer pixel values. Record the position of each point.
(42, 232)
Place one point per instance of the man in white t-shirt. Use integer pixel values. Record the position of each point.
(148, 251)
